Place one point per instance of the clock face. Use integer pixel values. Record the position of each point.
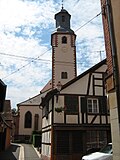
(64, 49)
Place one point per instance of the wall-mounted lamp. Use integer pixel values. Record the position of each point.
(59, 86)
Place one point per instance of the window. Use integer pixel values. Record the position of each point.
(68, 142)
(71, 104)
(64, 75)
(63, 18)
(92, 106)
(96, 139)
(28, 120)
(36, 121)
(64, 39)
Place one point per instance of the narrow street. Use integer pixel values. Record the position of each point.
(30, 153)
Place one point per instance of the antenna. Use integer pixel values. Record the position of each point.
(62, 4)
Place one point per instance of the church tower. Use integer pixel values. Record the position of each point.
(63, 50)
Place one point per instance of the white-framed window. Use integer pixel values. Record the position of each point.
(92, 106)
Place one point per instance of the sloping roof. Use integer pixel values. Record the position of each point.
(2, 94)
(31, 101)
(47, 87)
(95, 67)
(6, 123)
(2, 90)
(7, 110)
(36, 100)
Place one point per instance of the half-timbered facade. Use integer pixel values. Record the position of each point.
(76, 118)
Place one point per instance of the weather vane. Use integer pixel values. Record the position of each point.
(62, 4)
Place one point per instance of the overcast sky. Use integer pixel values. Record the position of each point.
(25, 36)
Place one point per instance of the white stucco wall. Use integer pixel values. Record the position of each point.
(64, 59)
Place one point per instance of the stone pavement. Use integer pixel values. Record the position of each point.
(30, 153)
(20, 152)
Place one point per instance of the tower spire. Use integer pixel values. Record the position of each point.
(62, 4)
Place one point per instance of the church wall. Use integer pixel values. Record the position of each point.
(34, 110)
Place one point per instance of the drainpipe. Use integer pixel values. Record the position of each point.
(114, 52)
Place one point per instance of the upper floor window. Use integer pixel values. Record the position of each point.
(71, 104)
(64, 75)
(92, 106)
(64, 39)
(28, 120)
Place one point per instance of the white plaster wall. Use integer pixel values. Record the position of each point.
(115, 127)
(79, 87)
(34, 110)
(46, 138)
(46, 122)
(46, 150)
(72, 119)
(103, 120)
(102, 68)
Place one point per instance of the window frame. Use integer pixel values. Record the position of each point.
(28, 120)
(64, 75)
(92, 105)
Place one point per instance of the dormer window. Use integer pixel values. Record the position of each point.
(64, 39)
(63, 18)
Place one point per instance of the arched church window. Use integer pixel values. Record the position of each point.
(28, 120)
(64, 39)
